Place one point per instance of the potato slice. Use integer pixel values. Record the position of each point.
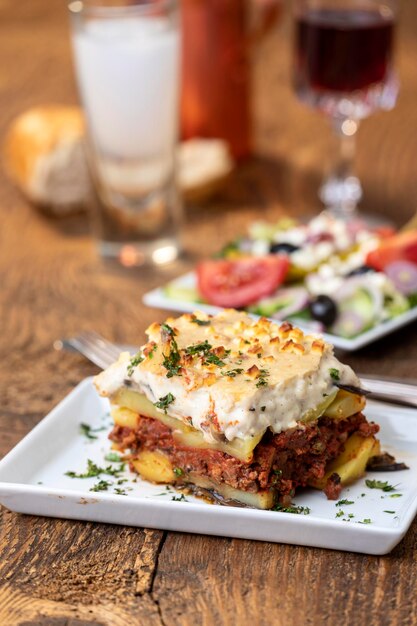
(351, 464)
(154, 466)
(259, 500)
(124, 417)
(136, 402)
(344, 405)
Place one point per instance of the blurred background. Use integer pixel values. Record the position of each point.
(292, 145)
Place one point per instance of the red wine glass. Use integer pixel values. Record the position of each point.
(343, 67)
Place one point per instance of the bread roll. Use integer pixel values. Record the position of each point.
(44, 155)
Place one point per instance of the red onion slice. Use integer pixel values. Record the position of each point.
(299, 299)
(349, 324)
(404, 276)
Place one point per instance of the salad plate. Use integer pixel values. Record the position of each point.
(160, 299)
(41, 476)
(344, 280)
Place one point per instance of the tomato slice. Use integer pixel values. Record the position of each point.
(240, 282)
(400, 247)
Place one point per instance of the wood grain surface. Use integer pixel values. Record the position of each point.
(66, 573)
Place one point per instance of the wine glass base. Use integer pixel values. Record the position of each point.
(340, 196)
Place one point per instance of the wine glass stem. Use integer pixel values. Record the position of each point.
(341, 191)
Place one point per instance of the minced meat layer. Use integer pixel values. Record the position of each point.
(281, 462)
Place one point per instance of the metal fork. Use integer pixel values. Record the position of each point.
(94, 347)
(103, 353)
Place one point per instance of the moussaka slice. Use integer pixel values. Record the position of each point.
(249, 409)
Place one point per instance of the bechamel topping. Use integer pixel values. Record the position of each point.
(230, 375)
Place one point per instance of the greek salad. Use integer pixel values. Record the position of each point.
(336, 277)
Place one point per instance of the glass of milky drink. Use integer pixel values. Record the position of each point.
(127, 58)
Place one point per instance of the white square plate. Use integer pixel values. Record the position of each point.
(33, 480)
(158, 299)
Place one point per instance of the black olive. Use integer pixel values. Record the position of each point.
(363, 269)
(285, 248)
(323, 309)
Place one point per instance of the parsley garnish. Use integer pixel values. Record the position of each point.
(392, 512)
(171, 361)
(151, 352)
(168, 330)
(134, 361)
(120, 492)
(164, 402)
(198, 348)
(334, 373)
(340, 513)
(94, 470)
(180, 498)
(344, 502)
(233, 373)
(379, 484)
(86, 430)
(200, 322)
(261, 381)
(113, 457)
(366, 521)
(102, 485)
(213, 359)
(298, 510)
(178, 471)
(263, 408)
(396, 495)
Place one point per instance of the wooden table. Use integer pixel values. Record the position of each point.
(56, 572)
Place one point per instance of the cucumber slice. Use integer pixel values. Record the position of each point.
(176, 291)
(356, 314)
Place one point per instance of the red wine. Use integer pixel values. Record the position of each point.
(341, 50)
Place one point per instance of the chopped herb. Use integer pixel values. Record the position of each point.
(180, 498)
(392, 512)
(363, 495)
(164, 402)
(95, 470)
(263, 408)
(151, 352)
(298, 510)
(213, 359)
(85, 430)
(261, 380)
(134, 361)
(178, 471)
(344, 502)
(113, 457)
(334, 373)
(39, 482)
(259, 355)
(340, 513)
(120, 492)
(379, 484)
(366, 521)
(199, 348)
(102, 485)
(201, 322)
(168, 330)
(233, 373)
(277, 476)
(396, 495)
(122, 480)
(171, 361)
(351, 515)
